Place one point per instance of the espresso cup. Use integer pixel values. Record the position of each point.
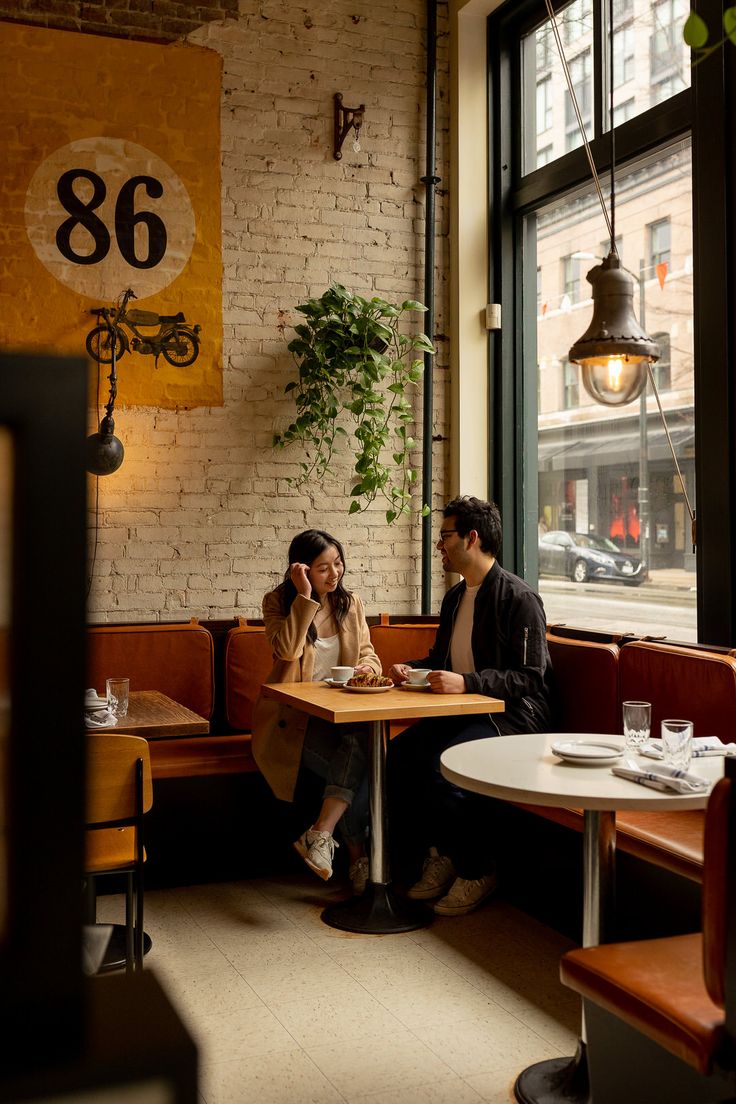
(341, 674)
(418, 675)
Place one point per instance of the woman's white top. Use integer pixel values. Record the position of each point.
(327, 656)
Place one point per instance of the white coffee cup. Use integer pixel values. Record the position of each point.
(341, 674)
(418, 675)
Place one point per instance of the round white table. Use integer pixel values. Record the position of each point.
(522, 768)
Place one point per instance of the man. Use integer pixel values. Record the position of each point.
(491, 640)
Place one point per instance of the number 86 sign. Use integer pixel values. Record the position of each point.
(103, 214)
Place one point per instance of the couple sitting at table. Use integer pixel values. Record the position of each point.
(491, 640)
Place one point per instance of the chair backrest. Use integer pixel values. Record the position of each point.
(111, 777)
(715, 889)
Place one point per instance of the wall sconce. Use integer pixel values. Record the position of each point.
(345, 118)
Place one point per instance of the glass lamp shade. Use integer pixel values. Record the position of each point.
(104, 450)
(614, 351)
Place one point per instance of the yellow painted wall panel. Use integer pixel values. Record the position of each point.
(111, 179)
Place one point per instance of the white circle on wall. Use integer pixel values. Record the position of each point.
(103, 214)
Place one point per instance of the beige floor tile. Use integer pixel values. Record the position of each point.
(445, 1090)
(334, 1017)
(293, 1079)
(232, 1036)
(378, 1063)
(275, 951)
(477, 1046)
(496, 1087)
(215, 992)
(436, 1001)
(304, 980)
(408, 965)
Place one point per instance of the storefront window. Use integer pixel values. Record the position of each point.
(614, 534)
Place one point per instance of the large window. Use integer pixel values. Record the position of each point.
(606, 473)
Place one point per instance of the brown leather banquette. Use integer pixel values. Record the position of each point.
(658, 1012)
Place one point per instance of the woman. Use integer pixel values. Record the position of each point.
(314, 624)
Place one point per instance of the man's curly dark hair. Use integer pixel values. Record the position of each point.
(484, 517)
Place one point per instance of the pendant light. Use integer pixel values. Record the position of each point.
(614, 351)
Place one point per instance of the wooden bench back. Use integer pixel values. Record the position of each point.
(178, 660)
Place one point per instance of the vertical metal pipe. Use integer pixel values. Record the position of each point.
(430, 181)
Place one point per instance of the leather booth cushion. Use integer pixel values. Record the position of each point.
(178, 660)
(657, 987)
(586, 685)
(718, 835)
(248, 663)
(681, 682)
(401, 643)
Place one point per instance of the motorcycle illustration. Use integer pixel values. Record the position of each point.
(175, 340)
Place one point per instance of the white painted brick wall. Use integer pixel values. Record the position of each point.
(198, 520)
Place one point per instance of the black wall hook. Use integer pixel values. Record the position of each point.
(345, 118)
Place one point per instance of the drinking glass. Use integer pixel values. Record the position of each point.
(637, 721)
(117, 695)
(677, 743)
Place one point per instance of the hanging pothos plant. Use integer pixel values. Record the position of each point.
(697, 35)
(356, 367)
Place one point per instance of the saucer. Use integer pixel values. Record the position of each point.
(415, 686)
(334, 683)
(588, 752)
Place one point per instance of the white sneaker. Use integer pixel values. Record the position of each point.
(438, 874)
(358, 874)
(317, 849)
(465, 895)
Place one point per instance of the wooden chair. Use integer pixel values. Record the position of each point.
(660, 1014)
(119, 793)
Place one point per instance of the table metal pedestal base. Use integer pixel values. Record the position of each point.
(556, 1081)
(377, 912)
(115, 954)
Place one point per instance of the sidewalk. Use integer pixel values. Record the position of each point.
(671, 578)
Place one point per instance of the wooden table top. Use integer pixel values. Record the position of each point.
(523, 768)
(341, 705)
(152, 715)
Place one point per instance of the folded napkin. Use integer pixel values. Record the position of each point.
(669, 779)
(100, 718)
(702, 745)
(92, 699)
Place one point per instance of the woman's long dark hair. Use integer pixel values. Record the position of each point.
(305, 548)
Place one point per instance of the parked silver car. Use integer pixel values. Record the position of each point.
(584, 556)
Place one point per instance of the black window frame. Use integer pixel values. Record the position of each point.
(700, 111)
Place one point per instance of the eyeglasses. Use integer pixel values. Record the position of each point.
(444, 534)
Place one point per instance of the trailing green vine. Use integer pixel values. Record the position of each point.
(696, 34)
(356, 367)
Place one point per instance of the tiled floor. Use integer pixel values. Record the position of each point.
(289, 1011)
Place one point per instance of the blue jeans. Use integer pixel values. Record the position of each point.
(339, 755)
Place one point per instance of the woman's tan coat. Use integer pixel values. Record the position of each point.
(278, 730)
